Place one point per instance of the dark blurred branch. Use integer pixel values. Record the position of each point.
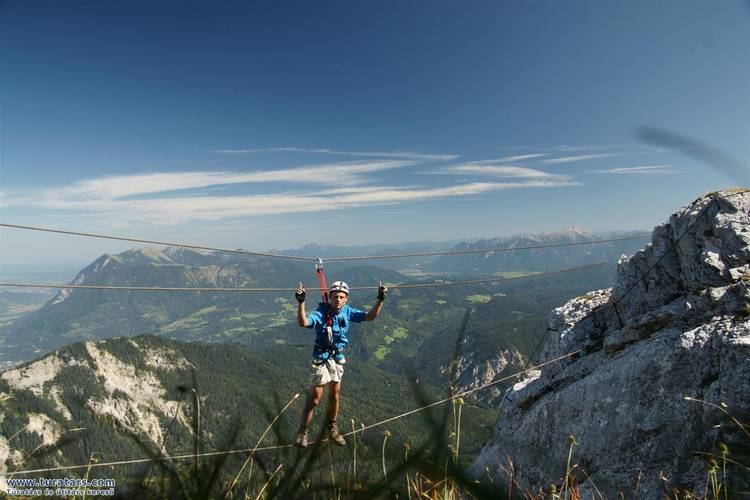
(715, 158)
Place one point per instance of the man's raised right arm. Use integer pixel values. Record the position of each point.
(301, 313)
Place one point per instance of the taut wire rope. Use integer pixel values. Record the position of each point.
(485, 250)
(155, 242)
(496, 279)
(328, 259)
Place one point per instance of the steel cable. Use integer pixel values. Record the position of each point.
(328, 259)
(496, 279)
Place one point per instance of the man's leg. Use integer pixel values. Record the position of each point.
(334, 389)
(313, 398)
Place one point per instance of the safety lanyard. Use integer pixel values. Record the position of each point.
(320, 272)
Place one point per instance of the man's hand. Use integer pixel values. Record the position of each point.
(373, 313)
(382, 290)
(300, 293)
(301, 314)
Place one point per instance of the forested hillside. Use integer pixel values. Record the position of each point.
(132, 398)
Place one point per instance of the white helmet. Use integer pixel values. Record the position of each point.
(338, 286)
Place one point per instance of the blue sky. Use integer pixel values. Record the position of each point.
(275, 124)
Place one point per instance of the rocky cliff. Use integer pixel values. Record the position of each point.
(662, 365)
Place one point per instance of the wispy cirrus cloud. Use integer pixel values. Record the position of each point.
(179, 210)
(398, 195)
(513, 159)
(167, 198)
(357, 189)
(651, 169)
(371, 154)
(176, 209)
(570, 159)
(110, 187)
(502, 171)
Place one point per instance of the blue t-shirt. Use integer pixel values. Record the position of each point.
(340, 329)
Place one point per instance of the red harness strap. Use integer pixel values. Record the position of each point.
(320, 272)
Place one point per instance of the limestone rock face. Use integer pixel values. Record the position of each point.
(674, 328)
(470, 375)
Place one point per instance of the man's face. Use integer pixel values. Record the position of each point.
(338, 300)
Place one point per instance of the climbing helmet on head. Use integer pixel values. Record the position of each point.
(338, 286)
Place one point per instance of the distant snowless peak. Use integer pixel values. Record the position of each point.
(577, 231)
(571, 232)
(174, 251)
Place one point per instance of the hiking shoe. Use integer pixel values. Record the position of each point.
(301, 441)
(335, 435)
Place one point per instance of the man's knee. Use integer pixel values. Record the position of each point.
(315, 395)
(333, 393)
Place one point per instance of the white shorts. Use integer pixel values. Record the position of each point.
(327, 372)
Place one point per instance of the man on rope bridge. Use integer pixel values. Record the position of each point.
(331, 322)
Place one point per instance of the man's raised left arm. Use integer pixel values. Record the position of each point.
(373, 313)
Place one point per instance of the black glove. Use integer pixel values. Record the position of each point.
(300, 294)
(381, 293)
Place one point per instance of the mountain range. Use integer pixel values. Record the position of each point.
(523, 252)
(74, 315)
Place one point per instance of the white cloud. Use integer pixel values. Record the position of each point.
(116, 187)
(357, 189)
(182, 209)
(652, 169)
(569, 159)
(180, 197)
(512, 159)
(401, 195)
(383, 154)
(501, 171)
